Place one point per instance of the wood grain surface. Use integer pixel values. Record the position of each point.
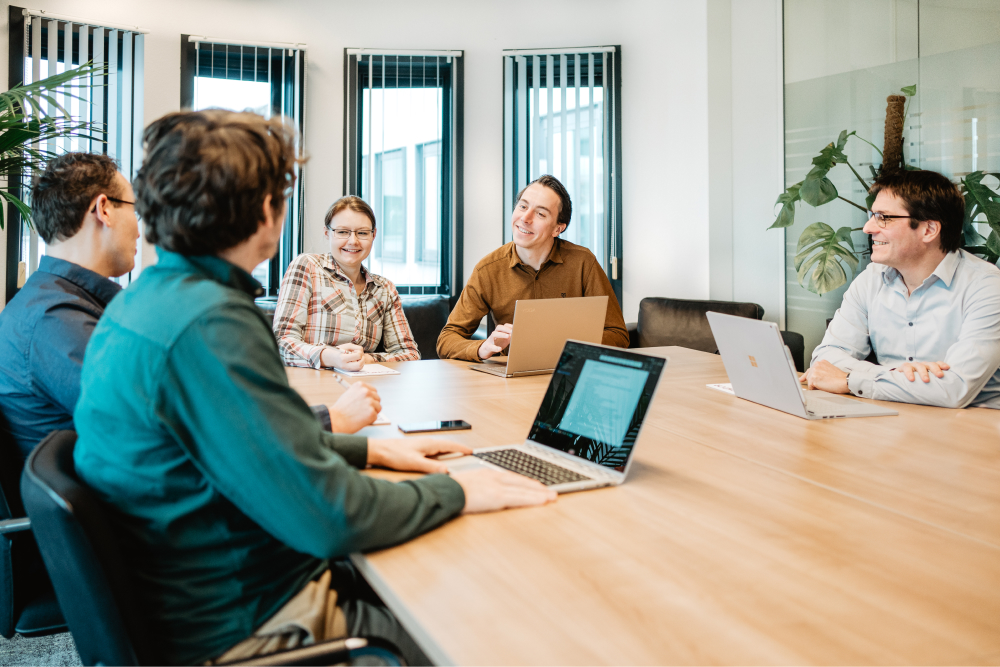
(742, 536)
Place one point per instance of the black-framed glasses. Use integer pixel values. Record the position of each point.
(362, 234)
(125, 201)
(881, 219)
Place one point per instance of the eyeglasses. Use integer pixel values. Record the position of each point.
(124, 201)
(881, 219)
(362, 234)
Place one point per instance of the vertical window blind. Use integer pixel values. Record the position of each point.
(561, 117)
(400, 154)
(111, 99)
(267, 78)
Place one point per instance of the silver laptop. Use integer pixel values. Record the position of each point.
(541, 328)
(585, 431)
(761, 370)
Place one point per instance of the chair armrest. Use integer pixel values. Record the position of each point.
(633, 334)
(327, 653)
(15, 525)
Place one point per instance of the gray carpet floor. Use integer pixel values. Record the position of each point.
(48, 650)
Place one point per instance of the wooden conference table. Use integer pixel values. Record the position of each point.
(742, 536)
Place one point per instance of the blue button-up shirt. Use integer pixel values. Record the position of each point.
(953, 316)
(44, 331)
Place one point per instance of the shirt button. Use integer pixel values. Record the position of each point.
(910, 358)
(860, 392)
(911, 324)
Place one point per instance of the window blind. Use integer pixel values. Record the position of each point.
(268, 78)
(112, 99)
(561, 118)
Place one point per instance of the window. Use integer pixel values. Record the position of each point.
(402, 109)
(48, 44)
(561, 117)
(264, 78)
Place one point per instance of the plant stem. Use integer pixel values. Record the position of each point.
(870, 144)
(858, 206)
(858, 175)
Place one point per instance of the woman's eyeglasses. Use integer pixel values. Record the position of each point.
(362, 234)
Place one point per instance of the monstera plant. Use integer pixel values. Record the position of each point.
(30, 117)
(823, 254)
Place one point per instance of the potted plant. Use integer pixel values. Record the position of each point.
(26, 127)
(823, 254)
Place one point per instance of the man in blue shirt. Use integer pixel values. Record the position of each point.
(929, 310)
(234, 508)
(83, 208)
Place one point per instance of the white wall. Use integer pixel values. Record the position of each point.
(665, 107)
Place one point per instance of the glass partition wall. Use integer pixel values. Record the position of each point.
(842, 59)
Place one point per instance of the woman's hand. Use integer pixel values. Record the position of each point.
(348, 357)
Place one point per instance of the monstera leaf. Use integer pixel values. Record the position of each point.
(786, 216)
(817, 189)
(821, 256)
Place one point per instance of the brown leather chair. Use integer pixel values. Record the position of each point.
(683, 322)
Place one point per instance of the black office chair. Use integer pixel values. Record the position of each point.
(426, 314)
(683, 322)
(28, 604)
(80, 550)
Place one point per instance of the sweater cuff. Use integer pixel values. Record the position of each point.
(354, 448)
(448, 490)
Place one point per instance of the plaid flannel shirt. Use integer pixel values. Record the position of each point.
(318, 306)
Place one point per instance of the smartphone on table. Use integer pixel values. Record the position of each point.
(431, 426)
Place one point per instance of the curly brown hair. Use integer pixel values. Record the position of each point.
(203, 182)
(62, 193)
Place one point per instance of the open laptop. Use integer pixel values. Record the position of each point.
(585, 431)
(541, 328)
(761, 370)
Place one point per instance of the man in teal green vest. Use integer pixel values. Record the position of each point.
(232, 504)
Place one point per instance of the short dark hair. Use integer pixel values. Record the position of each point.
(202, 185)
(552, 183)
(350, 202)
(62, 193)
(928, 195)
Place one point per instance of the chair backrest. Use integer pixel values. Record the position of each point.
(10, 507)
(683, 322)
(426, 315)
(81, 553)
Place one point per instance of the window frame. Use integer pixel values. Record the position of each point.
(290, 72)
(450, 246)
(611, 259)
(122, 138)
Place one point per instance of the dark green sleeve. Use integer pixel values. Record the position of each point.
(225, 397)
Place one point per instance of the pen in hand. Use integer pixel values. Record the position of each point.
(343, 383)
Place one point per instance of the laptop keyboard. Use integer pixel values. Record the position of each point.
(531, 466)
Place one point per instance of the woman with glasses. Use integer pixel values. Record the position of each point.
(332, 312)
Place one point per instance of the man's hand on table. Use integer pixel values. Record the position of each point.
(356, 408)
(489, 490)
(826, 377)
(923, 369)
(497, 342)
(411, 454)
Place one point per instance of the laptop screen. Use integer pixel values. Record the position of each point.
(596, 402)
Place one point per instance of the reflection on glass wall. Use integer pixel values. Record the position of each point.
(842, 59)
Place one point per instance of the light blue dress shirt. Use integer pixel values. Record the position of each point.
(953, 316)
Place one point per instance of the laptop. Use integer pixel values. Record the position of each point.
(585, 431)
(541, 328)
(761, 370)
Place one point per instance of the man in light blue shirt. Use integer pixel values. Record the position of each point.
(929, 310)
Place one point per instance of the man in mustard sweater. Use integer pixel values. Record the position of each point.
(537, 264)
